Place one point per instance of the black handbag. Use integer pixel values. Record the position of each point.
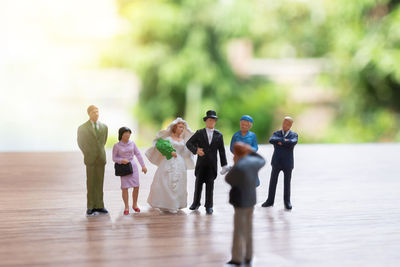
(123, 169)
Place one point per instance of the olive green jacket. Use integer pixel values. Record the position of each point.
(92, 146)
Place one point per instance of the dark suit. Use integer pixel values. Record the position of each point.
(92, 147)
(206, 166)
(282, 160)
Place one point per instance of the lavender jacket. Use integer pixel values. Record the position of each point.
(128, 151)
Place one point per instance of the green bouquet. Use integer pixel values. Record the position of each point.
(165, 148)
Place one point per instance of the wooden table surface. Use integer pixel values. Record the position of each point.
(345, 213)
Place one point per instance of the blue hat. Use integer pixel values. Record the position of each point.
(246, 118)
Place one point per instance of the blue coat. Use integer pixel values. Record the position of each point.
(250, 138)
(283, 154)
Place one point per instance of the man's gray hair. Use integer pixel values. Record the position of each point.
(288, 118)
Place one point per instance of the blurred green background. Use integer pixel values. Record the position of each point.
(181, 52)
(333, 65)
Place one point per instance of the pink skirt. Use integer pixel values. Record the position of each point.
(131, 180)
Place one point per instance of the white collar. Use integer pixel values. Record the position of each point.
(283, 133)
(210, 130)
(94, 123)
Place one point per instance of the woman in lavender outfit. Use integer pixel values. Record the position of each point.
(123, 153)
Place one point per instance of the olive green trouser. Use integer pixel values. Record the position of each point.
(94, 185)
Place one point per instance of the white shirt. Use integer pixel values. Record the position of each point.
(95, 123)
(284, 135)
(210, 133)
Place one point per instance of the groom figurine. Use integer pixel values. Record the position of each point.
(92, 136)
(282, 160)
(205, 143)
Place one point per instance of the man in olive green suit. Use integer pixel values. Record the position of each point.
(92, 136)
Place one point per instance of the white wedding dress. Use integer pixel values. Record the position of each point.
(168, 191)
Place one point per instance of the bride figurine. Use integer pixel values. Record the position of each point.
(168, 191)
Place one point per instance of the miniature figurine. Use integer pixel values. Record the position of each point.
(243, 178)
(123, 153)
(168, 190)
(244, 135)
(282, 160)
(92, 136)
(205, 143)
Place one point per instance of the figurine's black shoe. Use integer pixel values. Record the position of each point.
(288, 205)
(102, 210)
(89, 212)
(209, 210)
(232, 262)
(267, 204)
(194, 207)
(247, 261)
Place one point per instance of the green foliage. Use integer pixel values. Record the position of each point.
(365, 42)
(365, 51)
(260, 103)
(379, 126)
(173, 45)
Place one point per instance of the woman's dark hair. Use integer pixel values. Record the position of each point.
(121, 131)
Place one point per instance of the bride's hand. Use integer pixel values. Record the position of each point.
(174, 154)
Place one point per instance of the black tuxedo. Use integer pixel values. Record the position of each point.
(207, 165)
(282, 160)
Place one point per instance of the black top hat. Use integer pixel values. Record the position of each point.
(210, 114)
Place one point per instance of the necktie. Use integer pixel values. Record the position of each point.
(96, 129)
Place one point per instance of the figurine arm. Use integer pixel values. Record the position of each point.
(106, 135)
(138, 155)
(290, 142)
(275, 139)
(233, 140)
(222, 154)
(82, 140)
(259, 162)
(254, 144)
(192, 143)
(233, 176)
(115, 156)
(186, 152)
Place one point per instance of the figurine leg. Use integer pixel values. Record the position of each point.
(248, 235)
(286, 188)
(209, 193)
(197, 193)
(135, 194)
(90, 186)
(238, 238)
(98, 184)
(125, 198)
(272, 185)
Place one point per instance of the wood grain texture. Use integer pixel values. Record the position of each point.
(345, 213)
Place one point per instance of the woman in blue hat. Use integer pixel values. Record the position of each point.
(244, 135)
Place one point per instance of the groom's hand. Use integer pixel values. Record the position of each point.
(200, 152)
